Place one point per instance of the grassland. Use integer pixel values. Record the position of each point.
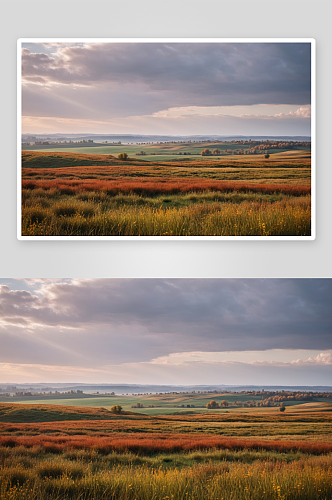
(60, 452)
(170, 151)
(75, 194)
(162, 404)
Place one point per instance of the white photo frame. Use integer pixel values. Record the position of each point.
(310, 41)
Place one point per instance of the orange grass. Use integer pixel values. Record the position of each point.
(143, 443)
(159, 185)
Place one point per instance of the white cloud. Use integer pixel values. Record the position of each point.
(270, 356)
(303, 112)
(323, 358)
(261, 111)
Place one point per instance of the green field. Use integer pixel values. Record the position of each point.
(154, 152)
(154, 404)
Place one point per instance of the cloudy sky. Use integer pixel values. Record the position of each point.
(167, 88)
(167, 331)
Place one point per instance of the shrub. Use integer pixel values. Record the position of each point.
(122, 156)
(213, 404)
(116, 409)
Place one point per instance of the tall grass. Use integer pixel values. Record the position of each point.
(177, 477)
(136, 216)
(139, 457)
(155, 172)
(152, 187)
(143, 443)
(68, 194)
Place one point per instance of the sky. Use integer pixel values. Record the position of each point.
(167, 88)
(166, 331)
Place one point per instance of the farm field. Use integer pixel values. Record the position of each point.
(161, 404)
(154, 152)
(84, 194)
(58, 452)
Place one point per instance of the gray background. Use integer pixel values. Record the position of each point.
(160, 18)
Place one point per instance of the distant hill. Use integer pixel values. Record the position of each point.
(33, 159)
(17, 413)
(40, 159)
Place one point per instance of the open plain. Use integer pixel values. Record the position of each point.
(183, 193)
(62, 448)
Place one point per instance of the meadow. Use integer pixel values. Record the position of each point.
(83, 194)
(173, 151)
(59, 452)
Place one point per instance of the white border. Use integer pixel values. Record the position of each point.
(312, 41)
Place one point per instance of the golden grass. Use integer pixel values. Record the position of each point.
(215, 476)
(69, 194)
(149, 459)
(289, 217)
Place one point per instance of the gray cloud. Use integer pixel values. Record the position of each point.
(118, 320)
(163, 75)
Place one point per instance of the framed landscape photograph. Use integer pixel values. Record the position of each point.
(166, 139)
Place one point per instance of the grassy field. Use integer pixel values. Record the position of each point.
(60, 452)
(75, 194)
(161, 404)
(153, 152)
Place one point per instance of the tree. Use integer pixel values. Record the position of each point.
(267, 155)
(206, 152)
(122, 156)
(216, 152)
(212, 405)
(282, 407)
(116, 409)
(224, 403)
